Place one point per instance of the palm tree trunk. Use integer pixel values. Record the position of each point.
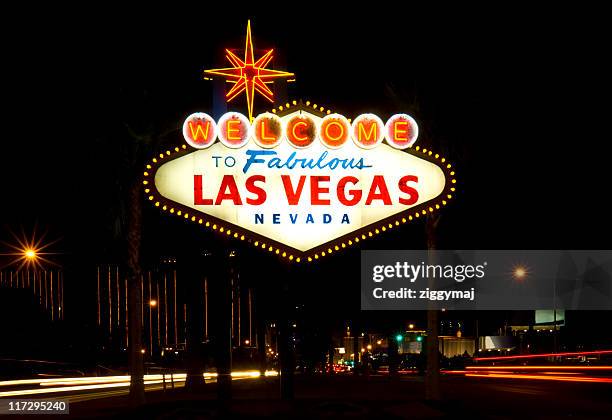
(195, 327)
(136, 357)
(432, 376)
(286, 350)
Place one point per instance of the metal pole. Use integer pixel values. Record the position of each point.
(165, 309)
(110, 302)
(222, 280)
(150, 317)
(193, 341)
(432, 375)
(286, 356)
(554, 315)
(175, 311)
(206, 307)
(356, 347)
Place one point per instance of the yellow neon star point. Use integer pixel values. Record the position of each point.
(249, 75)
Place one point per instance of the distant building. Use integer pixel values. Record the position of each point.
(47, 286)
(163, 307)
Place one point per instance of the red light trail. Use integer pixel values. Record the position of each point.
(515, 368)
(541, 377)
(533, 356)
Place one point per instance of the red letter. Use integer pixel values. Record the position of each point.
(378, 183)
(199, 131)
(413, 194)
(264, 133)
(355, 194)
(316, 190)
(400, 134)
(198, 200)
(369, 136)
(254, 189)
(228, 182)
(231, 129)
(295, 134)
(293, 197)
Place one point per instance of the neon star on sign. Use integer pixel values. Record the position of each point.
(249, 75)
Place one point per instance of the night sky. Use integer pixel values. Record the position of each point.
(509, 97)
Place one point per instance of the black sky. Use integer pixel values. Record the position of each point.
(510, 94)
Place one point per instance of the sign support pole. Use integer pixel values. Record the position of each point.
(221, 280)
(287, 362)
(195, 309)
(260, 322)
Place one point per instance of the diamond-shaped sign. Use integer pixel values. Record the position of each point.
(291, 183)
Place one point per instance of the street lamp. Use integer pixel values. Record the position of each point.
(520, 272)
(30, 254)
(153, 302)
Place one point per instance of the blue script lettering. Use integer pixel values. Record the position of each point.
(322, 162)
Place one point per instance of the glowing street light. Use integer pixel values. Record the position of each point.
(369, 347)
(30, 254)
(29, 251)
(153, 302)
(410, 326)
(520, 272)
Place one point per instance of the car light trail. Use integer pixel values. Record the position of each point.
(67, 388)
(557, 373)
(80, 380)
(539, 367)
(533, 356)
(57, 385)
(541, 377)
(118, 379)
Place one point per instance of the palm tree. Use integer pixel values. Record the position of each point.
(140, 134)
(432, 376)
(134, 234)
(426, 128)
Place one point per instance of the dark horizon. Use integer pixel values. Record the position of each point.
(511, 97)
(490, 103)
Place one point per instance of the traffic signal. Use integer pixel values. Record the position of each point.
(419, 338)
(399, 337)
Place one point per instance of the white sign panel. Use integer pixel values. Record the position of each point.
(301, 184)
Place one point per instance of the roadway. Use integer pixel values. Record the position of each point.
(345, 395)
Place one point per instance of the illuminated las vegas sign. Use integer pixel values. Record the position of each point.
(299, 181)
